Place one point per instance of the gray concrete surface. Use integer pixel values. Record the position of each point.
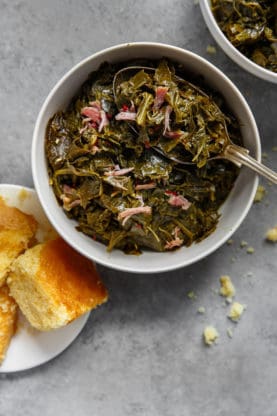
(142, 353)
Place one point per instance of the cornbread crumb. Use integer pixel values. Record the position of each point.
(243, 243)
(210, 335)
(236, 311)
(230, 242)
(227, 288)
(271, 234)
(274, 149)
(211, 50)
(201, 310)
(260, 194)
(191, 295)
(23, 194)
(250, 250)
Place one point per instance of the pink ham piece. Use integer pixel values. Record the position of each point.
(176, 242)
(159, 98)
(127, 213)
(173, 134)
(94, 114)
(149, 185)
(179, 201)
(104, 121)
(95, 149)
(118, 172)
(167, 113)
(68, 204)
(68, 189)
(66, 197)
(126, 115)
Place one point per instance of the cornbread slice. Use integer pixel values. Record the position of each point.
(16, 231)
(8, 319)
(53, 284)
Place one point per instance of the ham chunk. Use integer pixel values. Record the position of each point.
(176, 242)
(142, 186)
(127, 213)
(118, 172)
(179, 201)
(159, 98)
(167, 113)
(126, 115)
(95, 116)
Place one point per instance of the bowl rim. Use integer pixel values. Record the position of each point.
(231, 50)
(140, 268)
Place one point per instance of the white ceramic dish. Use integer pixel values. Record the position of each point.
(233, 210)
(29, 347)
(229, 49)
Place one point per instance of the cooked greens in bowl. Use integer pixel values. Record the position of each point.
(251, 27)
(230, 213)
(106, 171)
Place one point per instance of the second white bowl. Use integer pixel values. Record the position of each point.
(229, 49)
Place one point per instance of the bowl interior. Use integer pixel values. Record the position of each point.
(233, 210)
(229, 49)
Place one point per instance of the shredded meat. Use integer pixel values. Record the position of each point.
(179, 201)
(149, 185)
(118, 172)
(159, 97)
(127, 213)
(168, 111)
(126, 115)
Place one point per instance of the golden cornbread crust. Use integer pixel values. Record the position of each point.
(53, 284)
(17, 229)
(8, 319)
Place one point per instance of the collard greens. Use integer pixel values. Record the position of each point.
(107, 175)
(251, 26)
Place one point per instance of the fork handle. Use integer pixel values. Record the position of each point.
(240, 156)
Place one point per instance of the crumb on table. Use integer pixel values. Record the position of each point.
(210, 335)
(191, 295)
(236, 311)
(243, 243)
(271, 234)
(260, 193)
(227, 288)
(211, 49)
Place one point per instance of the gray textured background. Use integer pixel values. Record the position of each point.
(142, 353)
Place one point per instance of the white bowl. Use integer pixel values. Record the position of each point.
(233, 210)
(229, 49)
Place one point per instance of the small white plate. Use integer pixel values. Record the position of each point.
(29, 347)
